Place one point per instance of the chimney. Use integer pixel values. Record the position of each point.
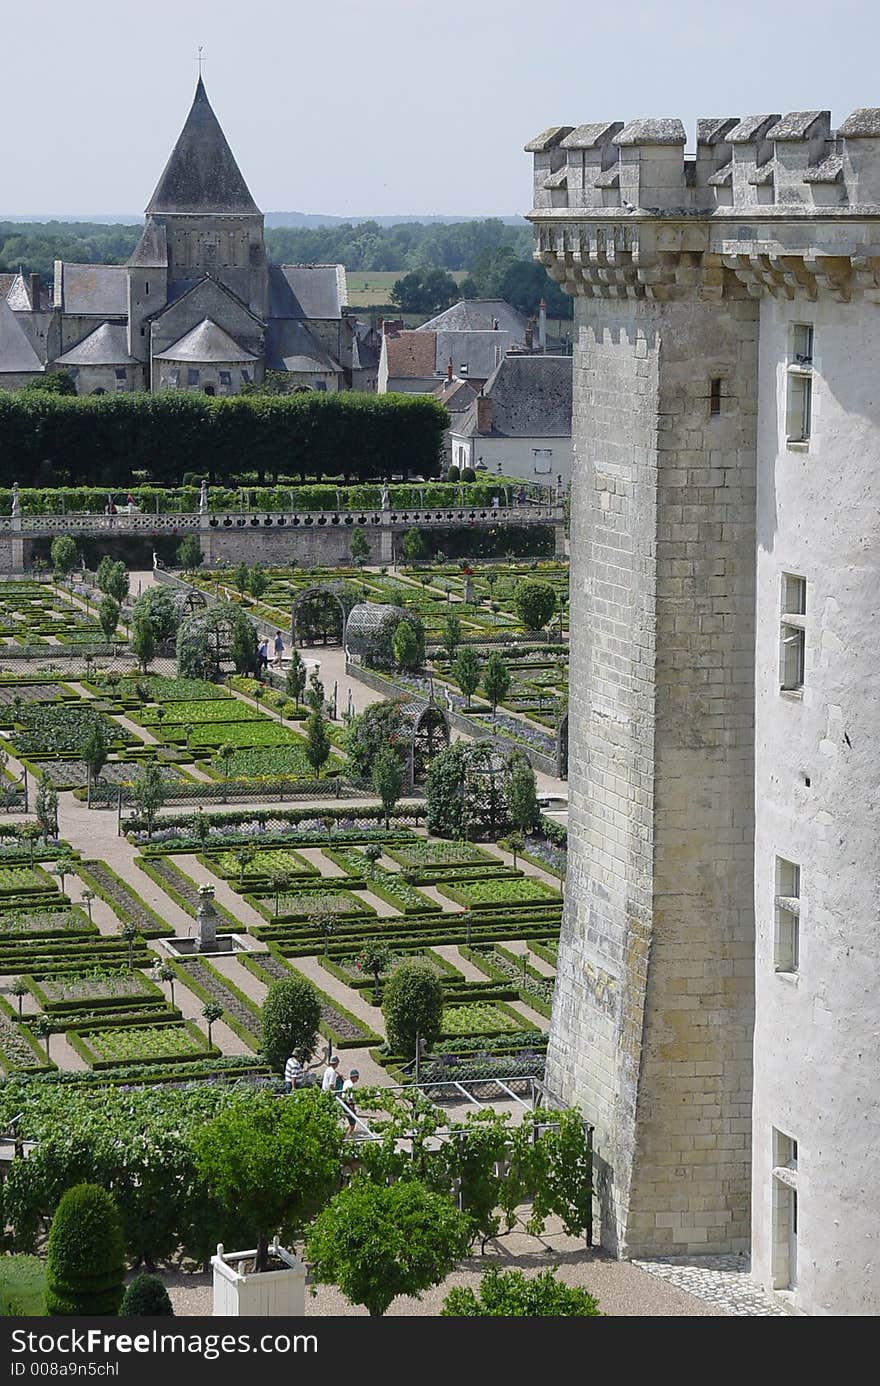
(530, 334)
(36, 292)
(542, 326)
(449, 371)
(484, 414)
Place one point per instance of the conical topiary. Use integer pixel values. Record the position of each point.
(85, 1261)
(145, 1295)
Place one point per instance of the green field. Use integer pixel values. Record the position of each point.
(374, 286)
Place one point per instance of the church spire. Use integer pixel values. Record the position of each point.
(202, 176)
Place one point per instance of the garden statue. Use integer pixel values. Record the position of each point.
(203, 498)
(206, 920)
(16, 502)
(386, 499)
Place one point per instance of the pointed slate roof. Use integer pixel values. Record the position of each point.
(151, 251)
(205, 344)
(106, 346)
(202, 175)
(17, 356)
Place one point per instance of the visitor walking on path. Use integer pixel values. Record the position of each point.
(328, 1082)
(348, 1088)
(279, 648)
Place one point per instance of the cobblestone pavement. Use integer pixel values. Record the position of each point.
(722, 1281)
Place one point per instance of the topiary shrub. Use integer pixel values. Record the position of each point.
(510, 1294)
(412, 1005)
(146, 1296)
(85, 1261)
(290, 1018)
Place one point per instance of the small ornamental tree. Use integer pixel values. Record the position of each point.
(63, 553)
(102, 573)
(271, 1165)
(372, 852)
(514, 842)
(257, 582)
(452, 634)
(143, 639)
(360, 548)
(95, 752)
(241, 577)
(466, 672)
(315, 691)
(290, 1018)
(496, 680)
(19, 989)
(377, 1241)
(43, 1029)
(47, 806)
(535, 603)
(117, 582)
(108, 616)
(521, 793)
(212, 1012)
(510, 1294)
(387, 780)
(413, 545)
(146, 1297)
(295, 681)
(85, 1256)
(412, 1006)
(406, 648)
(148, 795)
(280, 883)
(157, 605)
(189, 553)
(375, 958)
(317, 746)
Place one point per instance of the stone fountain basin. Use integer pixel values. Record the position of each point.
(224, 944)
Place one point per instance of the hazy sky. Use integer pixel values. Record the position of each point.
(386, 106)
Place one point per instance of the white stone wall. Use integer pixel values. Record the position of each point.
(516, 456)
(817, 1037)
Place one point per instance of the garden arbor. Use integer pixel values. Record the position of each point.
(215, 642)
(320, 613)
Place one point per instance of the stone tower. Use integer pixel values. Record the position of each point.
(724, 579)
(210, 221)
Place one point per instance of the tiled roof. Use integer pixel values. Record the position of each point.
(201, 174)
(99, 291)
(17, 356)
(206, 343)
(106, 346)
(412, 353)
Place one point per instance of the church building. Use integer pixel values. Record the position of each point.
(197, 306)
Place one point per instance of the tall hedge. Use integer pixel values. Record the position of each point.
(85, 1260)
(105, 439)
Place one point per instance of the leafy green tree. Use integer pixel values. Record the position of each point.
(19, 989)
(241, 576)
(405, 646)
(271, 1164)
(515, 843)
(148, 795)
(156, 605)
(143, 639)
(378, 1241)
(117, 582)
(46, 806)
(102, 572)
(387, 779)
(95, 752)
(212, 1012)
(452, 633)
(413, 545)
(52, 383)
(359, 548)
(146, 1297)
(521, 793)
(317, 747)
(412, 1005)
(63, 553)
(535, 603)
(496, 680)
(295, 680)
(44, 1029)
(372, 852)
(376, 958)
(289, 1019)
(509, 1294)
(189, 553)
(108, 616)
(64, 867)
(466, 672)
(85, 1255)
(258, 581)
(379, 726)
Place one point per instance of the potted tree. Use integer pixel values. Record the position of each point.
(270, 1168)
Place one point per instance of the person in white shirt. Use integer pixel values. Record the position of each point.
(328, 1082)
(347, 1095)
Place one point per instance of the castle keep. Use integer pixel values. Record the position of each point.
(716, 1008)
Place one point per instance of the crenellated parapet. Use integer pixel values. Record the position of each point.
(768, 204)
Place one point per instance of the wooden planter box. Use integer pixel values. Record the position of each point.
(267, 1293)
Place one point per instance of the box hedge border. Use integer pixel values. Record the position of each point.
(252, 962)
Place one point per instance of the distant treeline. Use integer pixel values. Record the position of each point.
(367, 246)
(118, 440)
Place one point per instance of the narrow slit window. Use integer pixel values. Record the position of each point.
(715, 397)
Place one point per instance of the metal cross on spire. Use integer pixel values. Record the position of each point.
(199, 58)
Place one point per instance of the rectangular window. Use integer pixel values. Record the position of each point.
(192, 376)
(785, 1211)
(792, 633)
(246, 376)
(120, 372)
(714, 397)
(787, 902)
(543, 460)
(174, 378)
(799, 397)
